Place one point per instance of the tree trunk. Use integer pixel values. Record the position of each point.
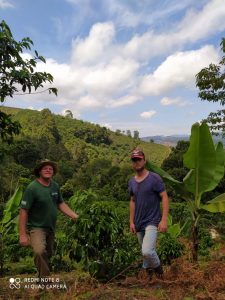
(195, 243)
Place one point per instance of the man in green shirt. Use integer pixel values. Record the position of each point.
(38, 213)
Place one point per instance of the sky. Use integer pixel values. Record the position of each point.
(123, 64)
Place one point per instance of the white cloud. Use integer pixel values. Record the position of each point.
(196, 25)
(6, 4)
(110, 79)
(116, 83)
(93, 48)
(201, 24)
(104, 74)
(133, 13)
(178, 69)
(176, 101)
(147, 114)
(106, 125)
(126, 100)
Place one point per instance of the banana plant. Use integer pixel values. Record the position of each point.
(206, 164)
(9, 221)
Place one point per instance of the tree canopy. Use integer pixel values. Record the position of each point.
(211, 84)
(17, 75)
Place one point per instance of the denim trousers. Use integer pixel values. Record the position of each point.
(147, 240)
(42, 243)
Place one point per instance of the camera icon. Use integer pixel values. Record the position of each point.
(14, 283)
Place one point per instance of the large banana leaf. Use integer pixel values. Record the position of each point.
(202, 159)
(151, 167)
(175, 184)
(12, 206)
(220, 159)
(215, 205)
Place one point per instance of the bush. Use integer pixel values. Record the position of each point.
(205, 242)
(98, 240)
(169, 248)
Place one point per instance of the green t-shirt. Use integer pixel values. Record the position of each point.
(42, 203)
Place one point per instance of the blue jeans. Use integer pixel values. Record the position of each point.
(147, 240)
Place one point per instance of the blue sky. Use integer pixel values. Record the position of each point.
(124, 64)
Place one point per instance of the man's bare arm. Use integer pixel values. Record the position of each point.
(132, 211)
(66, 210)
(23, 215)
(165, 209)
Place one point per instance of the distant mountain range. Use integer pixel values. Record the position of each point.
(171, 140)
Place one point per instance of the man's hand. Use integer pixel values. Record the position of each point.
(24, 240)
(75, 217)
(162, 227)
(132, 228)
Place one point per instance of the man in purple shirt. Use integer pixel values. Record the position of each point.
(147, 190)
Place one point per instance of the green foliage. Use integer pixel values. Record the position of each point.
(17, 73)
(108, 181)
(10, 174)
(174, 230)
(181, 216)
(173, 164)
(169, 248)
(11, 208)
(60, 260)
(67, 190)
(13, 251)
(206, 164)
(46, 135)
(8, 128)
(205, 241)
(96, 136)
(98, 240)
(9, 223)
(25, 152)
(136, 134)
(211, 84)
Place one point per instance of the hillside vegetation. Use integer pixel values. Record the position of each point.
(86, 153)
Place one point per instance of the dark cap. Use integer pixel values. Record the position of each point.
(43, 163)
(137, 154)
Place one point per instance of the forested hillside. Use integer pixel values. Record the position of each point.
(88, 156)
(94, 168)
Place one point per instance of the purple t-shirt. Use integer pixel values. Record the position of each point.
(147, 200)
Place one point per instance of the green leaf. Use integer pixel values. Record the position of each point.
(201, 159)
(162, 173)
(53, 90)
(215, 205)
(220, 158)
(169, 220)
(174, 230)
(177, 185)
(42, 59)
(12, 206)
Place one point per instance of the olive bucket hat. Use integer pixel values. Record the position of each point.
(43, 163)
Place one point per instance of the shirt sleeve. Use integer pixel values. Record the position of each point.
(159, 185)
(130, 190)
(60, 198)
(28, 199)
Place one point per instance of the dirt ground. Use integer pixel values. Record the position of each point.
(182, 281)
